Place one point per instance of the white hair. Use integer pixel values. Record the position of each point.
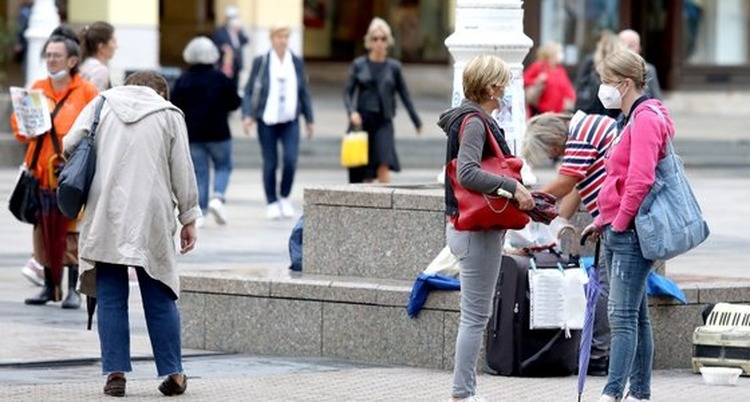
(200, 50)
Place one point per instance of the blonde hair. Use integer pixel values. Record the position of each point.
(481, 74)
(277, 29)
(378, 24)
(544, 132)
(549, 52)
(623, 64)
(608, 43)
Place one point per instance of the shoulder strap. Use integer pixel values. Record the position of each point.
(496, 148)
(97, 114)
(52, 133)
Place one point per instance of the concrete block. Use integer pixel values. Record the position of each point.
(426, 197)
(727, 292)
(279, 327)
(222, 313)
(450, 331)
(673, 328)
(382, 335)
(193, 319)
(358, 195)
(225, 283)
(300, 288)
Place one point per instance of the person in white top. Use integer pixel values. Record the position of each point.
(98, 44)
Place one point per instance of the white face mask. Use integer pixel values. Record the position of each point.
(610, 96)
(58, 75)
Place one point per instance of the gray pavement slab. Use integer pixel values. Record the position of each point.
(52, 344)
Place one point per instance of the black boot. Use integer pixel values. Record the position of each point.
(47, 293)
(73, 299)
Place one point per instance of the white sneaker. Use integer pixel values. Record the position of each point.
(607, 398)
(273, 211)
(472, 398)
(200, 222)
(218, 210)
(633, 399)
(287, 210)
(33, 272)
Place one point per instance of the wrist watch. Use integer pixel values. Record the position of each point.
(504, 193)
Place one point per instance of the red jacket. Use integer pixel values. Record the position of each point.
(556, 90)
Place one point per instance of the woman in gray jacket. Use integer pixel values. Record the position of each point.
(478, 252)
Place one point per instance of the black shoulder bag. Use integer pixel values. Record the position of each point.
(24, 202)
(75, 179)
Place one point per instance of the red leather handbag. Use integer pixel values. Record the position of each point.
(480, 212)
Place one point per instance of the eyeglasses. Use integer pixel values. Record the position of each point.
(54, 56)
(379, 38)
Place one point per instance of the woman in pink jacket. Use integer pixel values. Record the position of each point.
(631, 169)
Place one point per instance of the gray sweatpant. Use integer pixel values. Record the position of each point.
(479, 255)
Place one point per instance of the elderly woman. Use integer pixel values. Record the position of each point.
(206, 96)
(130, 220)
(478, 252)
(375, 80)
(275, 95)
(98, 46)
(67, 94)
(548, 88)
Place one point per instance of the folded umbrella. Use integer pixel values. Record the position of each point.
(592, 290)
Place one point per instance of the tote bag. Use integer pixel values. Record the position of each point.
(669, 221)
(354, 149)
(74, 182)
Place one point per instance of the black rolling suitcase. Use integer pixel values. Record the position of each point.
(512, 348)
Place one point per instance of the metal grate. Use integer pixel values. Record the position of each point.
(729, 315)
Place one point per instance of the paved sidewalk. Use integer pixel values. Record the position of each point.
(47, 355)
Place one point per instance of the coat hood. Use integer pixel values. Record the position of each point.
(449, 117)
(131, 103)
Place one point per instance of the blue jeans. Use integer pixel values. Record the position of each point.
(203, 154)
(479, 255)
(162, 320)
(269, 137)
(632, 348)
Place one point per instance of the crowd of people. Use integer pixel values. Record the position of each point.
(609, 149)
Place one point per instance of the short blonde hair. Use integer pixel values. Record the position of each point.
(378, 24)
(623, 64)
(549, 52)
(279, 28)
(544, 132)
(481, 74)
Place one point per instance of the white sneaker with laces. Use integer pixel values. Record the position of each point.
(33, 272)
(273, 211)
(287, 210)
(218, 210)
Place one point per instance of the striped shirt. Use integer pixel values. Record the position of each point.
(588, 141)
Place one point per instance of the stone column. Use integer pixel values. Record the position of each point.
(44, 19)
(496, 27)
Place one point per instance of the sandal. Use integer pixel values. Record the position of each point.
(170, 387)
(115, 385)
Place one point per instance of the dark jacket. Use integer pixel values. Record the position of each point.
(221, 38)
(482, 181)
(377, 96)
(206, 96)
(304, 102)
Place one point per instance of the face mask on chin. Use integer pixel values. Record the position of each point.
(57, 76)
(610, 96)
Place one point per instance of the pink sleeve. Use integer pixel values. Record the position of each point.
(646, 141)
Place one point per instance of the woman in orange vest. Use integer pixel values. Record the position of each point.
(67, 94)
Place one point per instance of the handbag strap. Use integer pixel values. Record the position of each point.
(97, 115)
(52, 132)
(490, 137)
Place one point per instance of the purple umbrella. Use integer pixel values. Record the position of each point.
(592, 289)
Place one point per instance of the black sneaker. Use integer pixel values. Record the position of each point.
(598, 367)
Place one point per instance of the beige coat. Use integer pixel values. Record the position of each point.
(143, 173)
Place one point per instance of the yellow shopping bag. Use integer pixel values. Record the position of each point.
(354, 149)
